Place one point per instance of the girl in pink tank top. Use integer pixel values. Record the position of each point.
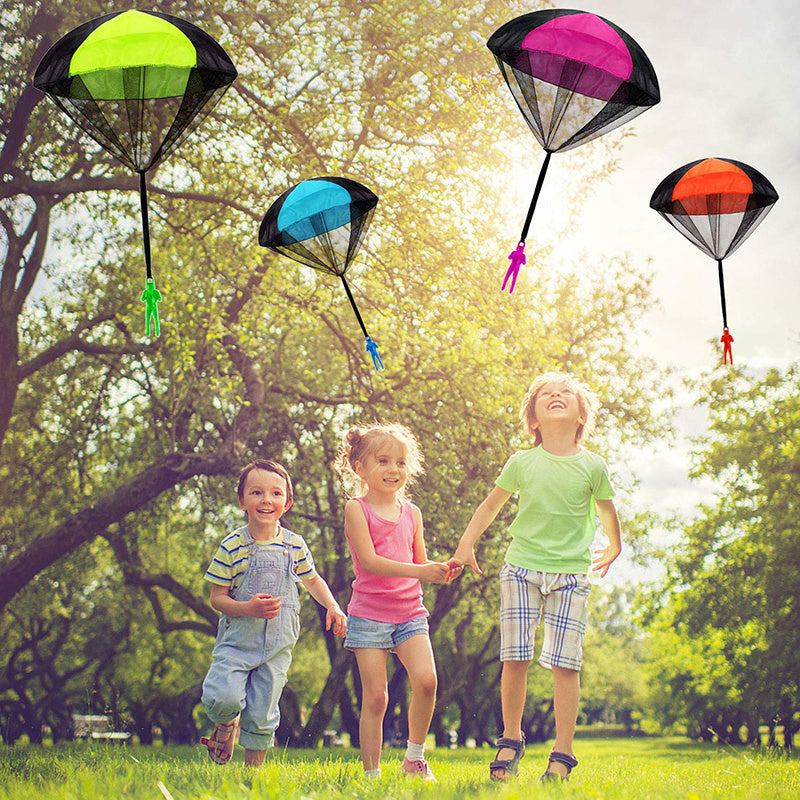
(385, 613)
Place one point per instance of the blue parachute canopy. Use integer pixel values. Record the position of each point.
(321, 222)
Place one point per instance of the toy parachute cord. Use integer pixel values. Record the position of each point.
(517, 256)
(726, 337)
(372, 348)
(151, 295)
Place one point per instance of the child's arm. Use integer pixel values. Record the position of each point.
(321, 592)
(610, 521)
(361, 542)
(482, 518)
(260, 605)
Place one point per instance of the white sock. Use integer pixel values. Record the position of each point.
(415, 752)
(372, 773)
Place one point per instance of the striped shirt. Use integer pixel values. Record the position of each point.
(230, 562)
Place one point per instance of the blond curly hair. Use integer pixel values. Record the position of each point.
(588, 403)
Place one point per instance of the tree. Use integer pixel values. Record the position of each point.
(128, 449)
(613, 674)
(734, 584)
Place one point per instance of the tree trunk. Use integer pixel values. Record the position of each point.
(176, 719)
(441, 732)
(787, 719)
(395, 725)
(290, 727)
(142, 722)
(753, 733)
(33, 727)
(328, 700)
(349, 717)
(540, 725)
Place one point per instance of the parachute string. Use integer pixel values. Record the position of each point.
(145, 223)
(726, 338)
(722, 293)
(542, 172)
(355, 307)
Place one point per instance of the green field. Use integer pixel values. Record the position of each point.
(610, 768)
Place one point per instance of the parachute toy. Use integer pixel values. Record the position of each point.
(321, 222)
(574, 76)
(137, 82)
(716, 203)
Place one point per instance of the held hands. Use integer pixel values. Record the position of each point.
(463, 557)
(454, 569)
(338, 619)
(263, 606)
(604, 558)
(434, 571)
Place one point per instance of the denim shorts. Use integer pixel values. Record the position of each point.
(381, 635)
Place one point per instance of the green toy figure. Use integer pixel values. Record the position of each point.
(150, 297)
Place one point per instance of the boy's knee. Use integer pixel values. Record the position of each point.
(222, 706)
(565, 673)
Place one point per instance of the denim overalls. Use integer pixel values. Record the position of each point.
(252, 656)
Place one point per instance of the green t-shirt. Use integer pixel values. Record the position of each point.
(555, 523)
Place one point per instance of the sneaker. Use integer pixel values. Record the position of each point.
(418, 769)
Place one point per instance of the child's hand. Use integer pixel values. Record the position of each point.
(434, 572)
(604, 558)
(338, 619)
(454, 570)
(466, 558)
(264, 606)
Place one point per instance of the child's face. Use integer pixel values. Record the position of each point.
(264, 498)
(385, 469)
(557, 402)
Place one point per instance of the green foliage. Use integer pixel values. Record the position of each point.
(613, 678)
(724, 639)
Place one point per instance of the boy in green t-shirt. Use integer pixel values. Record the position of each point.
(561, 486)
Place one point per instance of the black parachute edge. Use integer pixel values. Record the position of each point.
(52, 73)
(363, 198)
(505, 44)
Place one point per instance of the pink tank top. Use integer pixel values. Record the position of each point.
(384, 598)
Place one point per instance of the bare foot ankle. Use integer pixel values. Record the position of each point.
(254, 758)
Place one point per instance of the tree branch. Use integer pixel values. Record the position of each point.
(92, 520)
(135, 574)
(63, 187)
(43, 24)
(74, 343)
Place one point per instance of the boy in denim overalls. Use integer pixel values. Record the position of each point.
(254, 576)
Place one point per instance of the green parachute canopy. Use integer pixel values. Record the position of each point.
(137, 82)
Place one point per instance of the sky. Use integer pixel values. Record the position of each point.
(728, 71)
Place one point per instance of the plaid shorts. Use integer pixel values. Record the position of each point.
(525, 595)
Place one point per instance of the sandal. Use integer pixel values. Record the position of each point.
(570, 762)
(220, 748)
(510, 765)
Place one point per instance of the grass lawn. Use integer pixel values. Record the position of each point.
(616, 768)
